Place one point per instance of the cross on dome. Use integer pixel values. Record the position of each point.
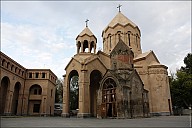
(87, 22)
(119, 7)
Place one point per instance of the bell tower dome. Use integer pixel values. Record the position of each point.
(121, 28)
(86, 41)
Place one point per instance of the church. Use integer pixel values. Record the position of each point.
(119, 82)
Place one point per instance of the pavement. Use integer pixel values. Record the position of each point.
(161, 121)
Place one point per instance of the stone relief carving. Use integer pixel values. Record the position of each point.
(155, 71)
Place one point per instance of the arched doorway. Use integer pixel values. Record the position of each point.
(73, 93)
(15, 98)
(34, 107)
(109, 98)
(5, 82)
(95, 78)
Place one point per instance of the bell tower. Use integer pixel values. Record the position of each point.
(121, 28)
(86, 41)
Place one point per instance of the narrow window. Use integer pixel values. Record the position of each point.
(16, 70)
(12, 67)
(30, 75)
(129, 39)
(3, 63)
(110, 41)
(36, 75)
(51, 92)
(119, 36)
(43, 75)
(8, 65)
(136, 41)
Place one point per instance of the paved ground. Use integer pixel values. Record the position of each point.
(163, 121)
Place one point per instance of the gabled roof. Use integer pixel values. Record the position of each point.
(136, 74)
(85, 59)
(143, 56)
(121, 46)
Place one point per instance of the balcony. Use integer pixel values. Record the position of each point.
(35, 97)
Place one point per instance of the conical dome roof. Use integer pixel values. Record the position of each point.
(120, 19)
(86, 31)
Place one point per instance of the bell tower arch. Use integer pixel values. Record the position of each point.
(86, 41)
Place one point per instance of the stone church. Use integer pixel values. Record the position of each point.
(121, 81)
(25, 91)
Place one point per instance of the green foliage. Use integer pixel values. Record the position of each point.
(74, 93)
(59, 91)
(181, 86)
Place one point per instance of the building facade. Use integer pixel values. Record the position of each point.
(25, 91)
(121, 81)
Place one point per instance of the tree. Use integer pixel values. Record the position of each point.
(59, 91)
(74, 93)
(181, 86)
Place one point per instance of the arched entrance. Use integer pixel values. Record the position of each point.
(95, 78)
(15, 98)
(5, 82)
(34, 107)
(73, 93)
(109, 98)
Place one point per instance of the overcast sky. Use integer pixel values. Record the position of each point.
(41, 34)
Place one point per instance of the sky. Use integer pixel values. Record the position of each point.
(41, 34)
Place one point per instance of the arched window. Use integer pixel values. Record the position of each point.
(85, 45)
(119, 35)
(35, 89)
(109, 88)
(110, 41)
(16, 70)
(12, 67)
(109, 97)
(8, 64)
(3, 62)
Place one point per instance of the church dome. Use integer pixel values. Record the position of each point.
(122, 28)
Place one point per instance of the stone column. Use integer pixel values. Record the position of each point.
(8, 104)
(94, 48)
(65, 112)
(84, 102)
(89, 46)
(82, 47)
(78, 47)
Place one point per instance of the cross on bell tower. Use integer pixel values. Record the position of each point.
(119, 7)
(86, 22)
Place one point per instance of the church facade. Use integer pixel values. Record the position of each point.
(25, 91)
(119, 82)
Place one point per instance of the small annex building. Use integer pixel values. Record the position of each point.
(25, 91)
